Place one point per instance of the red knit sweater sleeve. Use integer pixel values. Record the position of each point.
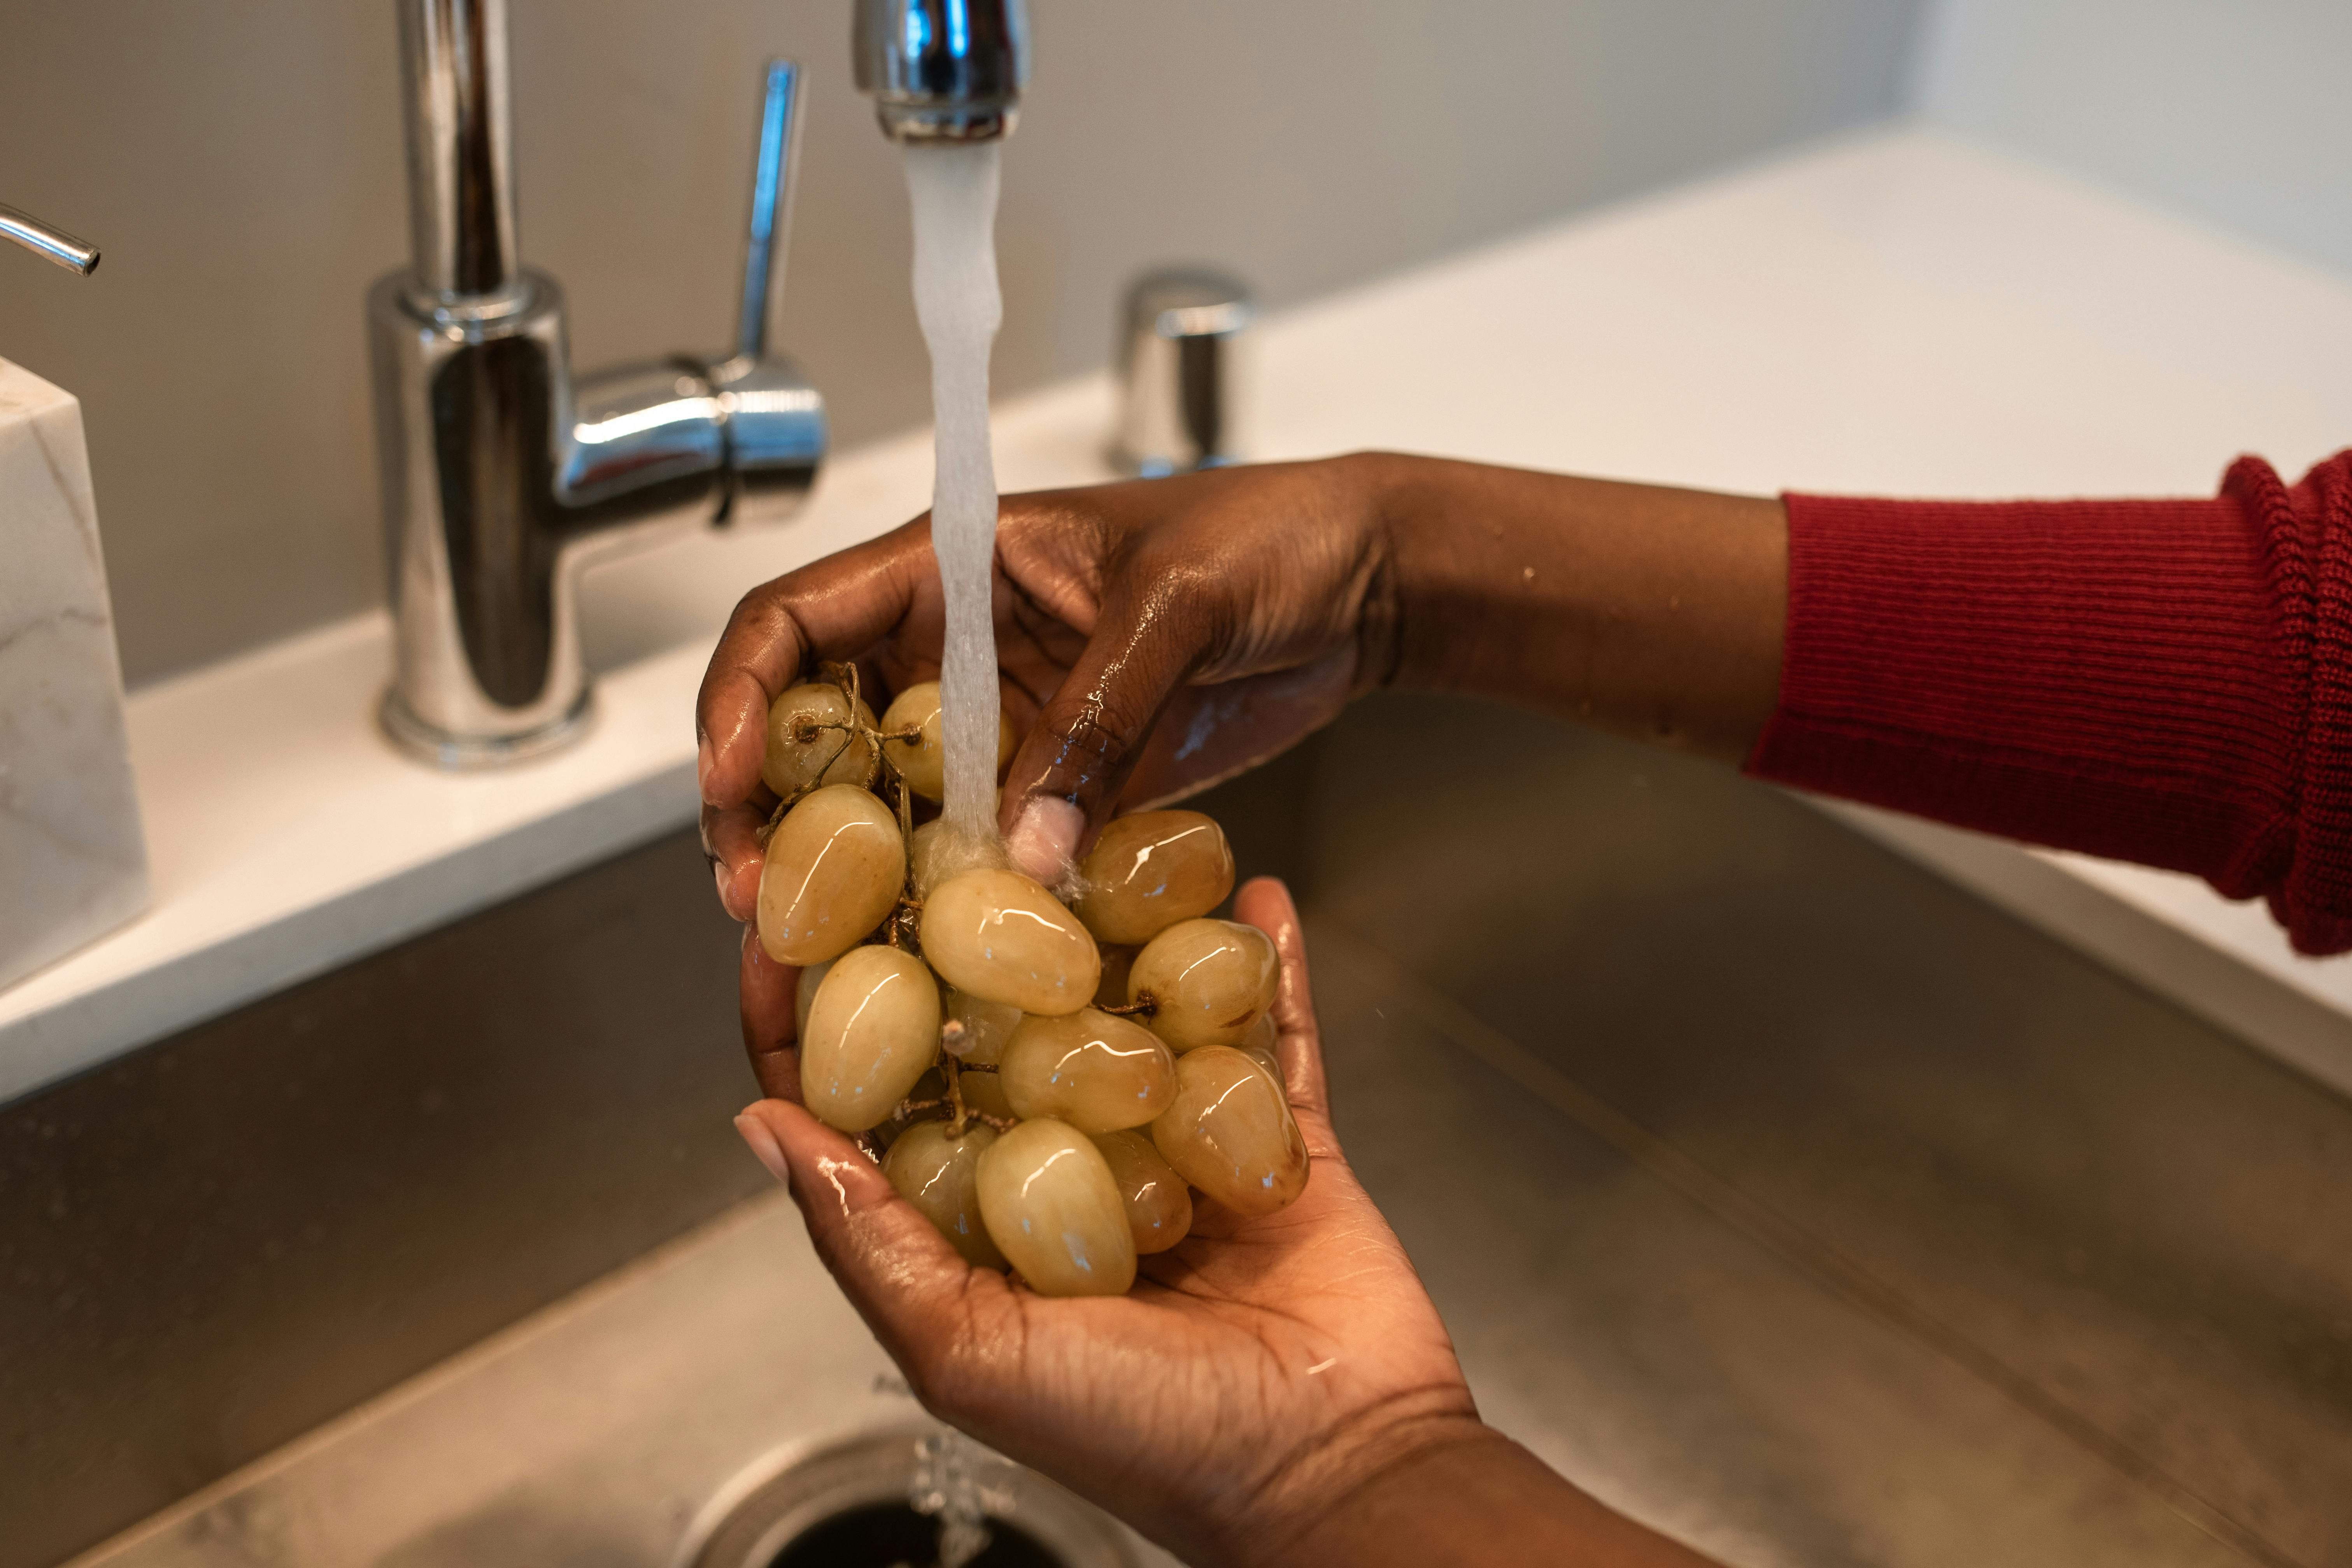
(2165, 682)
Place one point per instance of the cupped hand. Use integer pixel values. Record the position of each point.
(1152, 638)
(1254, 1377)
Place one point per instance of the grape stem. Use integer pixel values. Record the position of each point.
(1143, 1006)
(809, 728)
(953, 1070)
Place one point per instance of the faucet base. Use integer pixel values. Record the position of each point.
(472, 754)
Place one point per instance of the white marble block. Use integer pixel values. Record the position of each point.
(73, 861)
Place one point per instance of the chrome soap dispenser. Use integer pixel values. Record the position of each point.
(73, 859)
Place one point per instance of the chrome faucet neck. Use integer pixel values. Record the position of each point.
(461, 206)
(503, 471)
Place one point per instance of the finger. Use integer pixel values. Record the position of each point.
(730, 837)
(1067, 776)
(1266, 903)
(833, 608)
(1207, 735)
(905, 1279)
(767, 995)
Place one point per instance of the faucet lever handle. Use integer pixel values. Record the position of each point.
(773, 420)
(771, 209)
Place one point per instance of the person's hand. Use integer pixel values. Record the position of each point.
(1156, 637)
(1276, 1390)
(1152, 637)
(1257, 1374)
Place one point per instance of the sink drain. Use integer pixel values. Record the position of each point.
(884, 1534)
(846, 1506)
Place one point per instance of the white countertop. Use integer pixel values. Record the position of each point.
(1898, 313)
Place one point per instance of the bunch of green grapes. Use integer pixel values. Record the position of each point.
(1047, 1079)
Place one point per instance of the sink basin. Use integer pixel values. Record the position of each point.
(626, 1425)
(1814, 1211)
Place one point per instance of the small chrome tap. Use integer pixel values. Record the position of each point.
(503, 474)
(76, 255)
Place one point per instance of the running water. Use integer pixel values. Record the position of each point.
(953, 188)
(946, 1486)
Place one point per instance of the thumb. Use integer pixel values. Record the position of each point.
(1065, 779)
(1266, 903)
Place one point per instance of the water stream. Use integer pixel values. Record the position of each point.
(953, 188)
(947, 1485)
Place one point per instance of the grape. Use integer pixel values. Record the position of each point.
(873, 1030)
(1207, 981)
(1003, 938)
(938, 1171)
(922, 761)
(1231, 1133)
(1262, 1044)
(1117, 961)
(804, 996)
(983, 1094)
(986, 1026)
(1159, 1206)
(1094, 1071)
(1054, 1209)
(1079, 1127)
(841, 756)
(1150, 870)
(835, 865)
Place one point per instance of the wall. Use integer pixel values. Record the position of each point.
(2239, 113)
(240, 164)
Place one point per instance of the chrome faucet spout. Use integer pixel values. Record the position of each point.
(503, 473)
(942, 71)
(461, 210)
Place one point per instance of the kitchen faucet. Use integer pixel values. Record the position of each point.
(503, 473)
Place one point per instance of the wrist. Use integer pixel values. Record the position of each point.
(1652, 612)
(1448, 554)
(1310, 1510)
(1464, 1496)
(1377, 491)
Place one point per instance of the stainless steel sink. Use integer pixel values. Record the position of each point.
(627, 1424)
(1818, 1213)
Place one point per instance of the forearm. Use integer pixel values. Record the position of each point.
(1650, 612)
(1477, 1499)
(2145, 680)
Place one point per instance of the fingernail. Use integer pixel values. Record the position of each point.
(764, 1146)
(1044, 839)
